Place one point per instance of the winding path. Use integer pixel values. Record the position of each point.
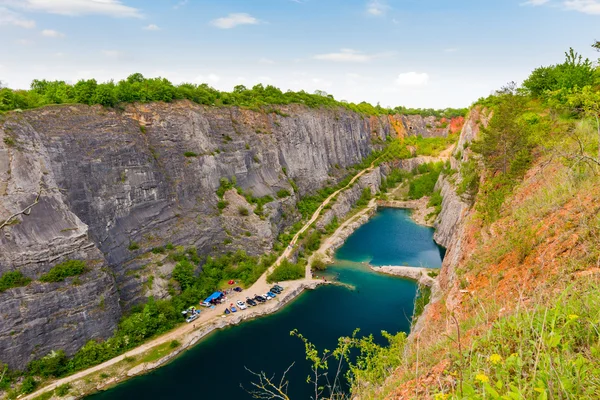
(259, 287)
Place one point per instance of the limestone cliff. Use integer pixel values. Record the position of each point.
(147, 175)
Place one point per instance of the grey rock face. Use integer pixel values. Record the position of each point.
(148, 174)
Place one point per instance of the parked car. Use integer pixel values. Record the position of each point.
(250, 302)
(238, 289)
(278, 287)
(271, 295)
(260, 299)
(192, 318)
(241, 305)
(275, 290)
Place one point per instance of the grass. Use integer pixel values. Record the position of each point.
(157, 353)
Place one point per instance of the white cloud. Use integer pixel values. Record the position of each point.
(233, 20)
(350, 55)
(112, 8)
(451, 50)
(51, 33)
(412, 79)
(584, 6)
(591, 7)
(377, 7)
(152, 27)
(535, 2)
(181, 4)
(8, 17)
(210, 78)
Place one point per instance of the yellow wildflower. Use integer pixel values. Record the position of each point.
(482, 378)
(573, 317)
(441, 396)
(495, 359)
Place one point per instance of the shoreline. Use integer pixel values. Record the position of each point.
(119, 369)
(419, 209)
(188, 335)
(418, 274)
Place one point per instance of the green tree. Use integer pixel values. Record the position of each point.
(183, 273)
(105, 95)
(505, 136)
(588, 102)
(84, 91)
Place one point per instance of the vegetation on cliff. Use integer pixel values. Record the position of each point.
(137, 88)
(520, 318)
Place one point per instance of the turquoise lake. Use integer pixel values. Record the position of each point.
(215, 367)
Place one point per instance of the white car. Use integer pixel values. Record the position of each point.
(241, 305)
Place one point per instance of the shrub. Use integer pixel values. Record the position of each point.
(183, 273)
(318, 264)
(224, 186)
(424, 184)
(243, 211)
(63, 390)
(158, 250)
(13, 279)
(365, 197)
(286, 271)
(174, 344)
(64, 270)
(283, 193)
(133, 246)
(222, 204)
(313, 241)
(190, 154)
(51, 366)
(29, 385)
(10, 142)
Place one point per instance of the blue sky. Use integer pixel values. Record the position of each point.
(418, 53)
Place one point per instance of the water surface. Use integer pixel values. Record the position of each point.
(215, 368)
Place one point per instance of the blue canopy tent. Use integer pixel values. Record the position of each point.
(214, 296)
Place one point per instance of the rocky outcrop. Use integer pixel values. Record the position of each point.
(112, 184)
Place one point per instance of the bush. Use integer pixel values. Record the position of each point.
(365, 197)
(174, 344)
(286, 271)
(183, 273)
(318, 264)
(190, 154)
(63, 390)
(243, 211)
(313, 241)
(283, 193)
(423, 184)
(13, 279)
(64, 270)
(51, 366)
(222, 204)
(133, 246)
(29, 385)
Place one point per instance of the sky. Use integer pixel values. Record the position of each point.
(415, 53)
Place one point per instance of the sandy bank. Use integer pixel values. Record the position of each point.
(420, 275)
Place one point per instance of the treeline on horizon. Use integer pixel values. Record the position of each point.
(137, 88)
